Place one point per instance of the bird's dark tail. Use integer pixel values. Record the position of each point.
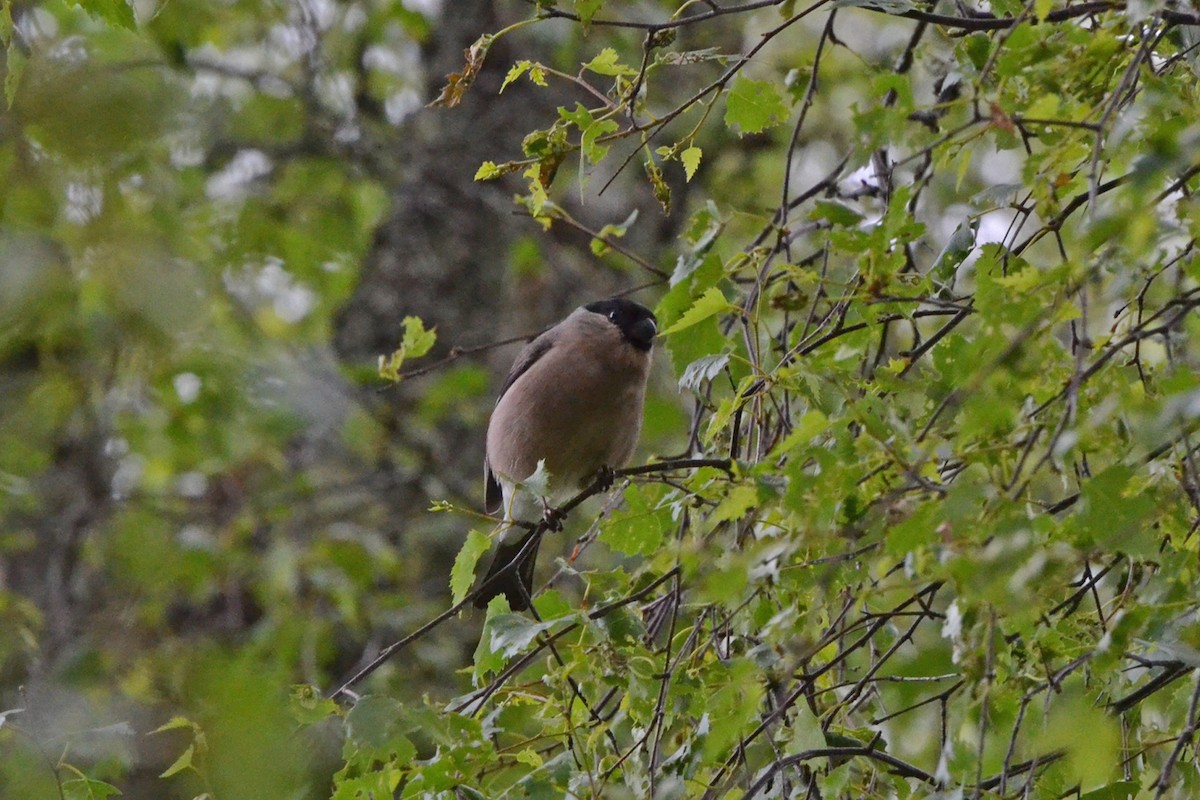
(507, 577)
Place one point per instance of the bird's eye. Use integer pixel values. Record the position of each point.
(612, 315)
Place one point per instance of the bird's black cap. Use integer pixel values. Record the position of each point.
(637, 323)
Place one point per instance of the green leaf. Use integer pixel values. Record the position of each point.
(732, 707)
(415, 343)
(586, 9)
(309, 706)
(487, 171)
(711, 303)
(462, 574)
(607, 62)
(16, 66)
(514, 72)
(702, 370)
(836, 213)
(1112, 513)
(691, 161)
(738, 501)
(176, 723)
(114, 12)
(88, 789)
(509, 634)
(180, 764)
(753, 106)
(486, 659)
(594, 152)
(639, 528)
(613, 230)
(804, 430)
(538, 483)
(374, 721)
(1121, 790)
(957, 248)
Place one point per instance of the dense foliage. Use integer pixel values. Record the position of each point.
(918, 514)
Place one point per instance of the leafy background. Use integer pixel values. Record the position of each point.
(927, 273)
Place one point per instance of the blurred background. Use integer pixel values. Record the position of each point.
(212, 226)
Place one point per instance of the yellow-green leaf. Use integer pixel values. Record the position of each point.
(710, 303)
(753, 106)
(691, 161)
(607, 62)
(462, 574)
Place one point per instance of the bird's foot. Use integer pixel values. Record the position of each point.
(553, 518)
(605, 476)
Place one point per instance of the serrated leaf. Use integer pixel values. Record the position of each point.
(487, 170)
(676, 57)
(738, 501)
(462, 574)
(691, 161)
(529, 756)
(509, 634)
(702, 370)
(537, 484)
(515, 71)
(378, 783)
(710, 303)
(753, 106)
(114, 12)
(638, 528)
(607, 62)
(579, 116)
(998, 194)
(416, 342)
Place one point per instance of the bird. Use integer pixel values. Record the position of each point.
(572, 400)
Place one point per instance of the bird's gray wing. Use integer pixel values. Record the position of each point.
(493, 493)
(527, 358)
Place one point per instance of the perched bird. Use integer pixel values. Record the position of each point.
(573, 399)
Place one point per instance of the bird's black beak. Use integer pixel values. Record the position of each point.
(642, 333)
